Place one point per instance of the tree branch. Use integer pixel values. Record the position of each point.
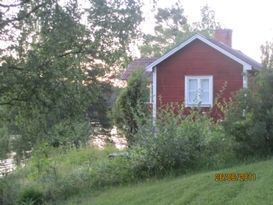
(6, 22)
(14, 5)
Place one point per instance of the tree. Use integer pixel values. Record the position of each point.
(267, 54)
(50, 76)
(172, 27)
(131, 108)
(208, 24)
(250, 118)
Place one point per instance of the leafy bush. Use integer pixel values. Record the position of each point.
(73, 133)
(131, 105)
(179, 143)
(111, 172)
(250, 118)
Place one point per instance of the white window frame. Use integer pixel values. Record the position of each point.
(199, 78)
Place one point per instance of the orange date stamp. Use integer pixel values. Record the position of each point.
(233, 176)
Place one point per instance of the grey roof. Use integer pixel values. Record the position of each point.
(136, 64)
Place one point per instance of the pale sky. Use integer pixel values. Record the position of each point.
(250, 20)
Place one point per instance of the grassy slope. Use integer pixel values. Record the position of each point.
(193, 189)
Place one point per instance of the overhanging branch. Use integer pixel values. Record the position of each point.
(6, 22)
(14, 5)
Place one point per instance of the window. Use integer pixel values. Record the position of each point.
(198, 91)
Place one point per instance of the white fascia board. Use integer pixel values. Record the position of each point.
(246, 66)
(226, 53)
(171, 52)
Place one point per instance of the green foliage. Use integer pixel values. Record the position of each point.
(172, 27)
(69, 133)
(111, 172)
(191, 189)
(31, 196)
(130, 108)
(50, 70)
(179, 142)
(249, 120)
(9, 190)
(267, 54)
(208, 24)
(59, 173)
(4, 142)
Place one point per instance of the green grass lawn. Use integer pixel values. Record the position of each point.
(191, 189)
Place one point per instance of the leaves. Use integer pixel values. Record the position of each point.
(249, 120)
(51, 75)
(130, 109)
(267, 54)
(172, 27)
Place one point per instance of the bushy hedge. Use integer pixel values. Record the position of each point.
(130, 108)
(179, 143)
(249, 120)
(176, 144)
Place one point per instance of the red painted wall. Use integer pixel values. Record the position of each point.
(197, 58)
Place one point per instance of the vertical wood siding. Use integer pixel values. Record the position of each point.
(197, 58)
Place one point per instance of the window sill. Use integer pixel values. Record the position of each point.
(198, 105)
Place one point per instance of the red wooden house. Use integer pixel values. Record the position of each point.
(196, 70)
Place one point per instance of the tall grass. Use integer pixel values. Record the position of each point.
(61, 173)
(178, 144)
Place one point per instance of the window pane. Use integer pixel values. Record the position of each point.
(192, 84)
(193, 98)
(198, 90)
(204, 97)
(205, 84)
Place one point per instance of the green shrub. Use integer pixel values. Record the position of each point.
(69, 133)
(219, 150)
(180, 142)
(130, 106)
(249, 120)
(111, 172)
